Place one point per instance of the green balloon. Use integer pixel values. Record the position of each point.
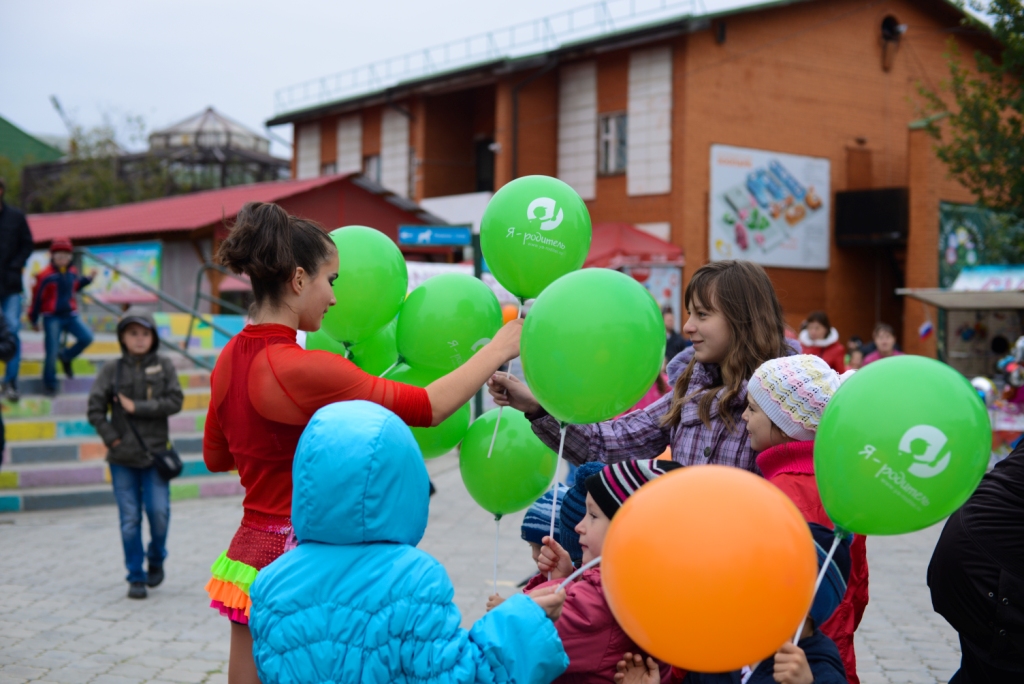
(322, 341)
(520, 467)
(901, 445)
(371, 284)
(446, 320)
(592, 345)
(377, 352)
(534, 230)
(439, 440)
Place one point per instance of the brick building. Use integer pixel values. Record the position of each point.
(629, 118)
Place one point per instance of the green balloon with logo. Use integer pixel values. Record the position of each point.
(534, 230)
(446, 320)
(902, 444)
(440, 439)
(371, 285)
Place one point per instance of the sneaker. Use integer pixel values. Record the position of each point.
(155, 576)
(137, 590)
(68, 371)
(10, 392)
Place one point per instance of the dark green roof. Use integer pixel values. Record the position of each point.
(22, 148)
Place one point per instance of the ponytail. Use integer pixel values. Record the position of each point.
(267, 244)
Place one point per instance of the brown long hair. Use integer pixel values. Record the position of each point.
(743, 294)
(267, 244)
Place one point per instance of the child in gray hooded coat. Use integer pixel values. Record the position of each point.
(141, 387)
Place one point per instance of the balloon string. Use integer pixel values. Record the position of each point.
(508, 374)
(554, 484)
(497, 526)
(392, 366)
(817, 583)
(583, 568)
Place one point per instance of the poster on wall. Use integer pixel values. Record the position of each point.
(968, 236)
(139, 259)
(663, 282)
(768, 207)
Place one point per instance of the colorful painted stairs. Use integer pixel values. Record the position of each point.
(54, 459)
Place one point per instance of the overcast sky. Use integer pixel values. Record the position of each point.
(167, 60)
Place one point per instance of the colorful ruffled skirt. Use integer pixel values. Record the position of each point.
(260, 540)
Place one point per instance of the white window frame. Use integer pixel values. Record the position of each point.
(612, 143)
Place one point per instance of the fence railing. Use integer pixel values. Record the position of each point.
(167, 299)
(542, 34)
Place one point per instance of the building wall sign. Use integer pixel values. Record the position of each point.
(770, 208)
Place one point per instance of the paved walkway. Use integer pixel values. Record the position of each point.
(64, 616)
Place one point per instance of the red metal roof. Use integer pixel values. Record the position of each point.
(168, 214)
(621, 244)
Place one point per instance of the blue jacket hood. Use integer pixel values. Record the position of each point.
(358, 477)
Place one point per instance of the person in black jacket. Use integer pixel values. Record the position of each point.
(15, 249)
(976, 576)
(674, 342)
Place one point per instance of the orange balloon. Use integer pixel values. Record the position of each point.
(509, 312)
(709, 568)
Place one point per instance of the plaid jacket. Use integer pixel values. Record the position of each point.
(641, 435)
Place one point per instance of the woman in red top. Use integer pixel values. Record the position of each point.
(265, 388)
(820, 339)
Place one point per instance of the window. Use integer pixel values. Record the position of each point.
(371, 168)
(611, 155)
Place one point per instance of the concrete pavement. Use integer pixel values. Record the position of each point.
(64, 616)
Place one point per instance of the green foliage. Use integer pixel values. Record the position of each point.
(982, 139)
(11, 173)
(96, 175)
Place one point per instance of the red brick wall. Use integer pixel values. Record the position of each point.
(329, 140)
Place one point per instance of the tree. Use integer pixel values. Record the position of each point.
(97, 172)
(981, 139)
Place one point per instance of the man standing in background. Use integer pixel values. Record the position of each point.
(674, 342)
(15, 249)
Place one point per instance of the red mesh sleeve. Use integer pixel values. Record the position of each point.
(314, 379)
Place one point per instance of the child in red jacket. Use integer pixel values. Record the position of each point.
(786, 398)
(592, 638)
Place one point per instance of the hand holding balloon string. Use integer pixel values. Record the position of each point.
(554, 560)
(508, 374)
(454, 389)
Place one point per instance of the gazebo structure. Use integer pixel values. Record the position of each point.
(221, 152)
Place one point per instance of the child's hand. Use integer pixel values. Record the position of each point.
(493, 601)
(791, 666)
(554, 559)
(550, 600)
(127, 404)
(631, 670)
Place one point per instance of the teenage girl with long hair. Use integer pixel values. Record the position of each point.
(265, 389)
(735, 323)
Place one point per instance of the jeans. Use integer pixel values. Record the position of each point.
(53, 326)
(135, 489)
(11, 305)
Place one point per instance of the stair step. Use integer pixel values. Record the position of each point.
(29, 476)
(49, 498)
(192, 419)
(37, 406)
(72, 450)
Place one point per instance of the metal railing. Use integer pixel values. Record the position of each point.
(542, 34)
(200, 295)
(163, 297)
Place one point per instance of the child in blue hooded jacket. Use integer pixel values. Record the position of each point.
(356, 601)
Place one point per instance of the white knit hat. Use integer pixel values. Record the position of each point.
(793, 392)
